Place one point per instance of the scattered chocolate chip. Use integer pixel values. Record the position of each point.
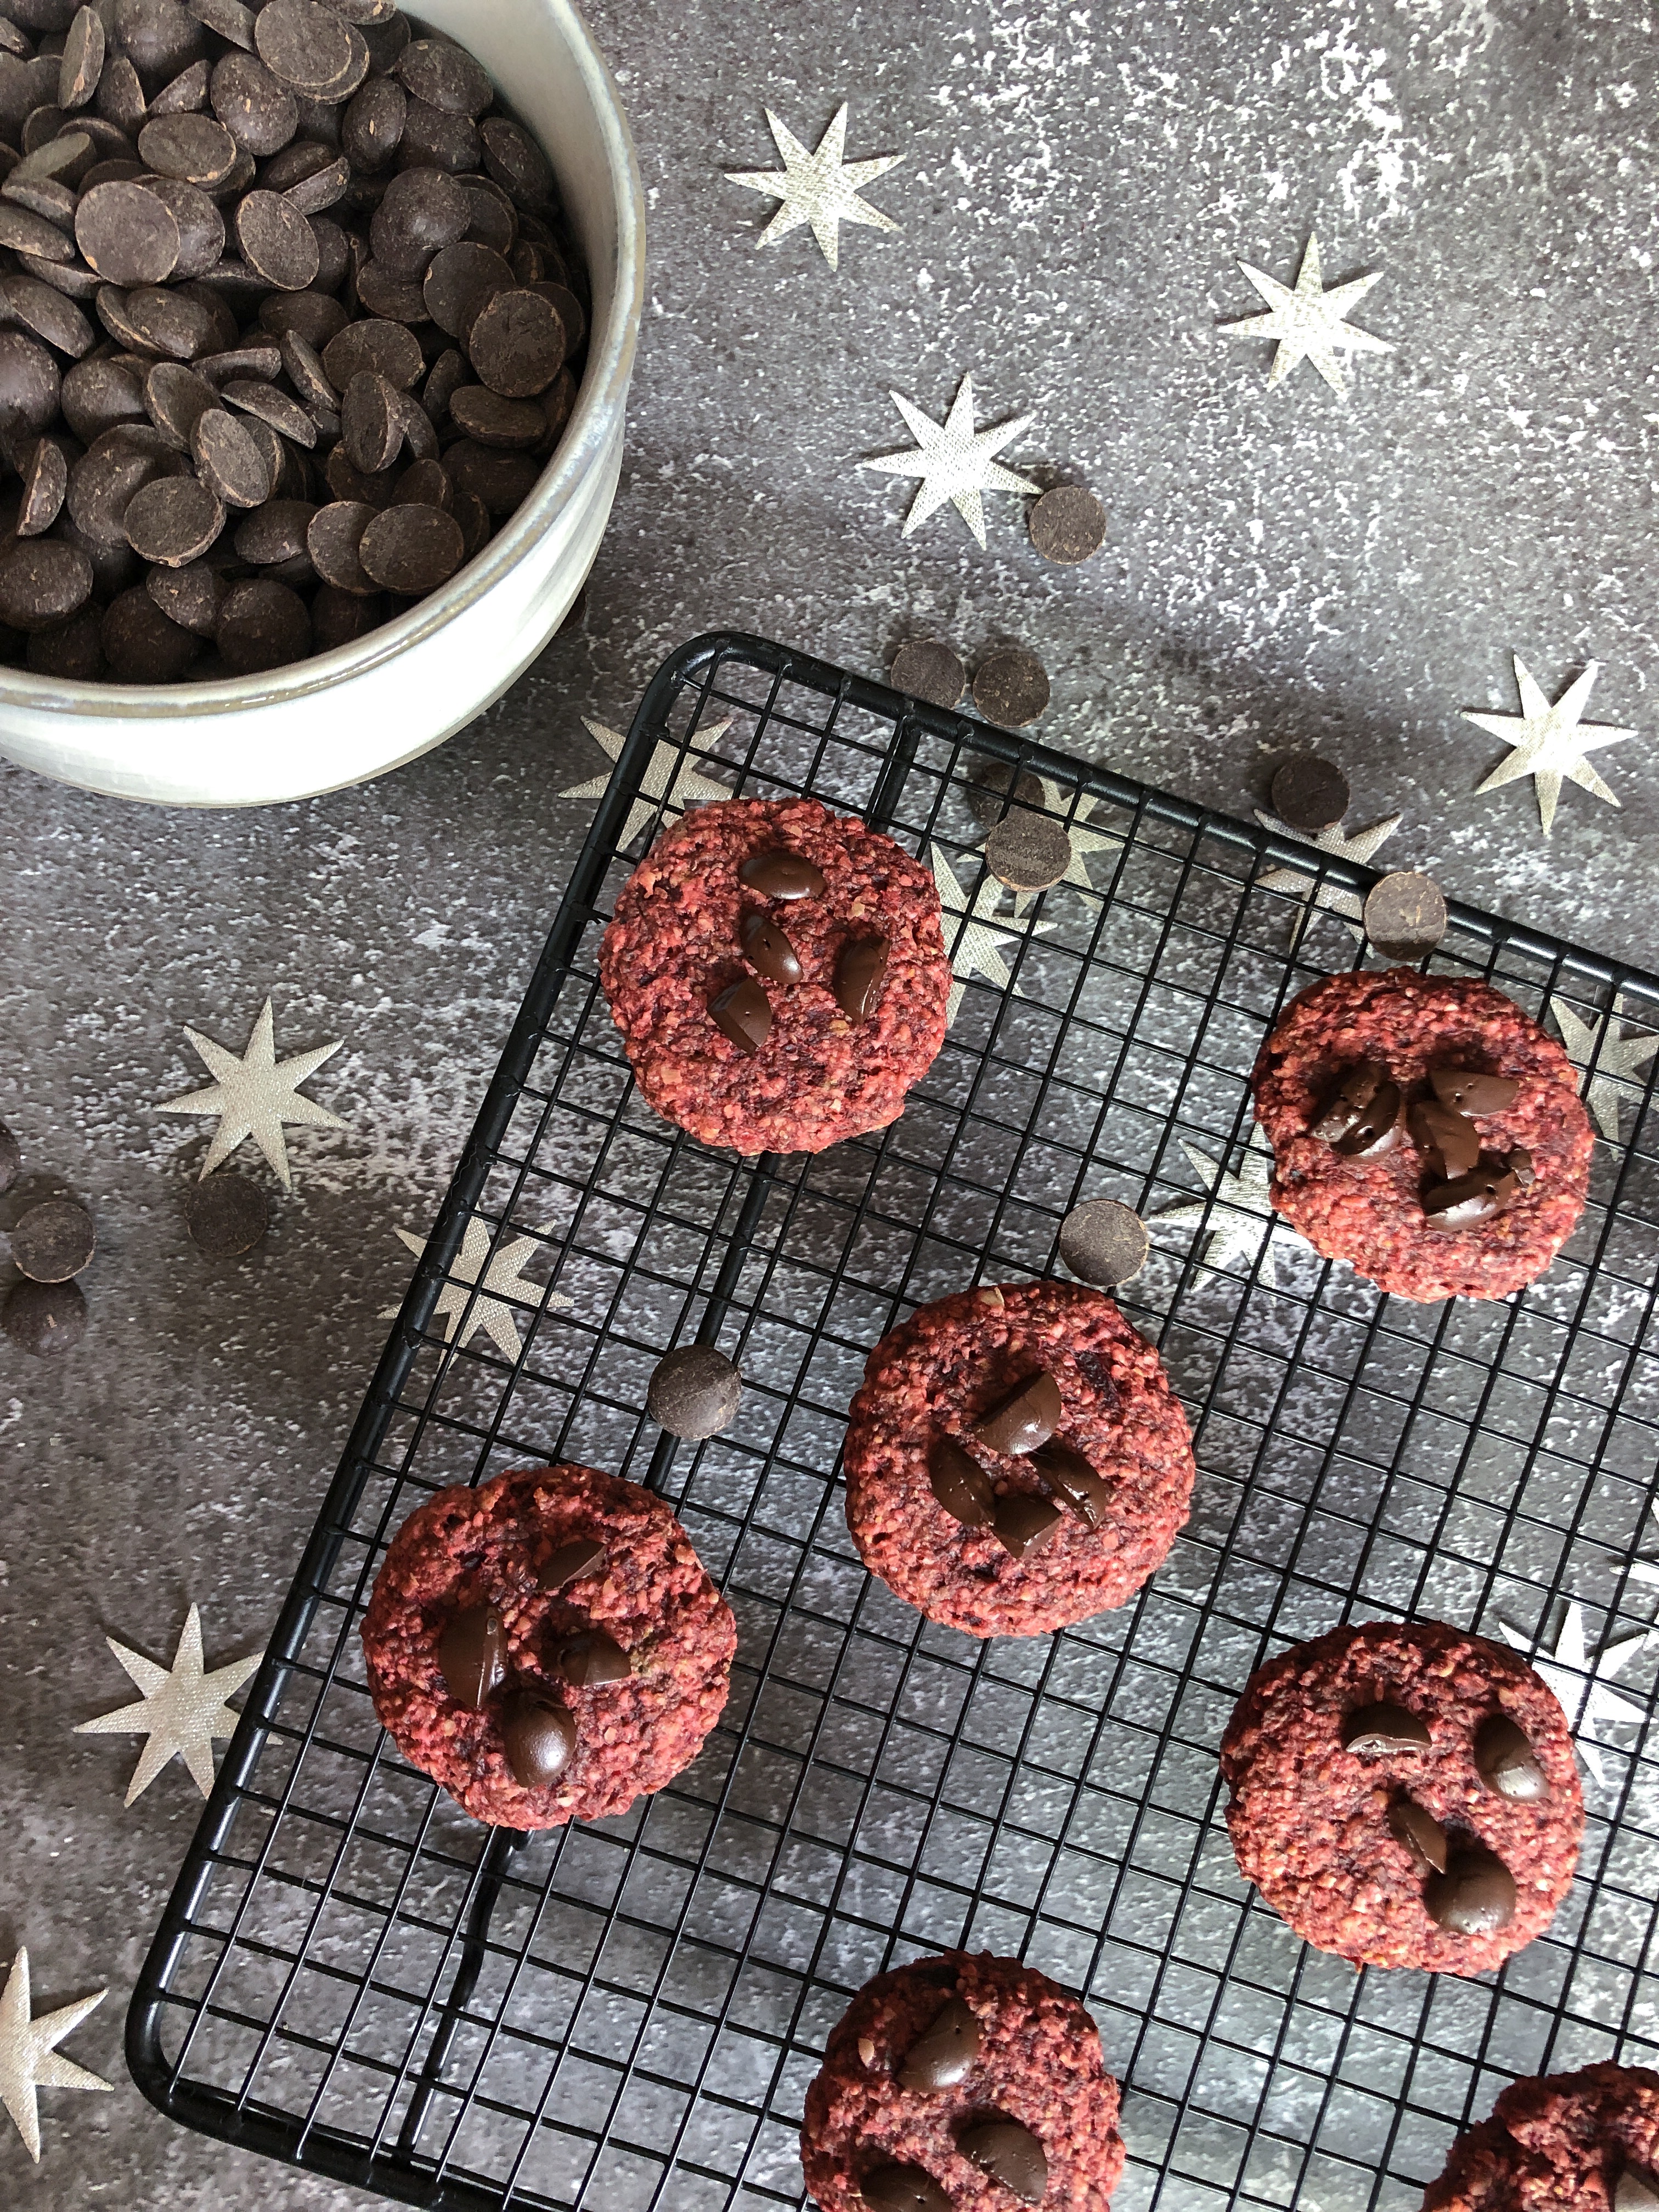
(767, 950)
(1358, 1086)
(226, 1215)
(190, 597)
(1476, 1896)
(1012, 688)
(741, 1011)
(461, 279)
(515, 161)
(539, 1739)
(1028, 852)
(444, 76)
(861, 968)
(1009, 2154)
(582, 1555)
(942, 2054)
(1406, 916)
(1022, 1523)
(1026, 1418)
(53, 1241)
(193, 149)
(590, 1661)
(83, 63)
(29, 383)
(332, 537)
(1448, 1141)
(516, 343)
(992, 782)
(1067, 1473)
(173, 521)
(45, 1318)
(1067, 524)
(45, 481)
(412, 549)
(141, 644)
(271, 406)
(231, 463)
(472, 1655)
(126, 234)
(960, 1484)
(277, 241)
(1309, 793)
(42, 581)
(306, 45)
(262, 625)
(1415, 1827)
(1378, 1127)
(926, 669)
(11, 1159)
(1371, 1730)
(1470, 1199)
(1520, 1165)
(694, 1392)
(903, 2188)
(778, 873)
(1507, 1762)
(513, 425)
(1467, 1091)
(1103, 1242)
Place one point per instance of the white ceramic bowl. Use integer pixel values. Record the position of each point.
(367, 707)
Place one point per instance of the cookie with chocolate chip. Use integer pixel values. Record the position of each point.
(778, 974)
(1405, 1796)
(965, 2080)
(1015, 1460)
(1589, 2140)
(547, 1646)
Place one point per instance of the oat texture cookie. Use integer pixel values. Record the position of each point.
(963, 2082)
(1425, 1129)
(1405, 1796)
(778, 974)
(1016, 1459)
(1560, 2142)
(547, 1646)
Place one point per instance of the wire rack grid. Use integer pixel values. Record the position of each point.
(352, 1976)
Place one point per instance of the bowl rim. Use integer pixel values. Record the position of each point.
(590, 428)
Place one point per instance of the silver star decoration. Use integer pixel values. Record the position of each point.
(28, 2052)
(1550, 742)
(1646, 1571)
(818, 187)
(974, 948)
(954, 460)
(1580, 1684)
(1360, 846)
(1309, 322)
(1083, 840)
(670, 785)
(181, 1709)
(463, 1308)
(1246, 1223)
(1618, 1060)
(255, 1094)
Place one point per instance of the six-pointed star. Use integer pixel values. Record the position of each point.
(504, 1276)
(1580, 1684)
(255, 1095)
(1360, 846)
(181, 1709)
(973, 949)
(1309, 322)
(670, 785)
(1550, 742)
(1242, 1221)
(28, 2052)
(954, 461)
(818, 187)
(1617, 1059)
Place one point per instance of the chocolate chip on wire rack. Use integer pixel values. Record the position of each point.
(1010, 688)
(1103, 1242)
(53, 1241)
(1028, 852)
(926, 669)
(694, 1392)
(1406, 916)
(1310, 793)
(44, 1318)
(1069, 524)
(226, 1215)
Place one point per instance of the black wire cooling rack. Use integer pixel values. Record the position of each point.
(353, 1976)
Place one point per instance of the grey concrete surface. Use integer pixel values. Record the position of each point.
(1284, 568)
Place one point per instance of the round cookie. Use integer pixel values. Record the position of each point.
(554, 1615)
(1560, 2142)
(745, 968)
(1394, 1033)
(1072, 1518)
(1362, 1808)
(978, 2079)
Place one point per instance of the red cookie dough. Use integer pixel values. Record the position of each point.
(1310, 1821)
(942, 1370)
(1038, 2063)
(466, 1547)
(1558, 2143)
(819, 1074)
(1371, 1211)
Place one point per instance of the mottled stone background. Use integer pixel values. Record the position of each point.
(1283, 569)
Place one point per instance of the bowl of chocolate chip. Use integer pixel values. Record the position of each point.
(316, 326)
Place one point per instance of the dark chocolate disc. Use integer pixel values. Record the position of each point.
(903, 2188)
(44, 1318)
(1356, 1091)
(1009, 2154)
(942, 2054)
(1010, 688)
(226, 1215)
(1310, 794)
(767, 950)
(742, 1012)
(1022, 1522)
(589, 1661)
(1406, 916)
(960, 1484)
(1377, 1128)
(1415, 1827)
(860, 970)
(1028, 852)
(778, 873)
(1073, 1479)
(1469, 1091)
(1467, 1201)
(1449, 1140)
(926, 669)
(472, 1655)
(1476, 1896)
(539, 1739)
(1507, 1761)
(582, 1556)
(53, 1241)
(1067, 524)
(1372, 1730)
(694, 1392)
(1026, 1418)
(1103, 1242)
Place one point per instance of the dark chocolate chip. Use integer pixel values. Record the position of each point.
(1103, 1242)
(260, 113)
(45, 1318)
(1356, 1091)
(1406, 916)
(1520, 1165)
(341, 617)
(233, 465)
(277, 241)
(127, 234)
(1378, 1128)
(903, 2188)
(1012, 688)
(1028, 852)
(1022, 1523)
(778, 873)
(306, 45)
(515, 161)
(1467, 1090)
(29, 383)
(422, 211)
(11, 1159)
(960, 1484)
(251, 397)
(1476, 1896)
(311, 315)
(45, 481)
(767, 950)
(1009, 2154)
(860, 970)
(173, 521)
(459, 280)
(177, 398)
(1415, 1827)
(333, 538)
(1467, 1201)
(590, 1661)
(72, 651)
(516, 343)
(226, 1215)
(582, 1555)
(53, 1241)
(472, 1655)
(694, 1392)
(1372, 1730)
(1507, 1763)
(141, 644)
(186, 94)
(1067, 524)
(27, 233)
(501, 481)
(324, 187)
(370, 425)
(49, 315)
(926, 669)
(275, 533)
(390, 348)
(412, 549)
(262, 625)
(83, 61)
(1310, 794)
(194, 148)
(741, 1011)
(993, 782)
(539, 1739)
(1026, 1418)
(372, 126)
(444, 76)
(1448, 1141)
(516, 425)
(1070, 1475)
(944, 2052)
(43, 581)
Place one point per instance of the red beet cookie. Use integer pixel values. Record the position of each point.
(1015, 1460)
(548, 1646)
(778, 974)
(1419, 1148)
(1405, 1796)
(965, 2082)
(1560, 2142)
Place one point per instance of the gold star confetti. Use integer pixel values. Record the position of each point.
(466, 1306)
(1309, 322)
(954, 460)
(1617, 1060)
(1580, 1684)
(974, 950)
(670, 785)
(1242, 1220)
(1360, 846)
(255, 1095)
(818, 187)
(180, 1708)
(1550, 742)
(28, 2052)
